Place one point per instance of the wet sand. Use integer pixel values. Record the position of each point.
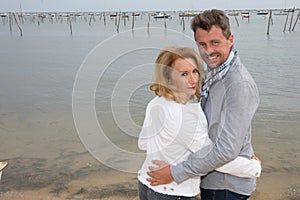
(120, 186)
(57, 166)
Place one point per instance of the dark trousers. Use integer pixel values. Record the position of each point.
(221, 195)
(146, 193)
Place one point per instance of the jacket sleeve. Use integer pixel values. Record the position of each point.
(153, 123)
(242, 167)
(193, 132)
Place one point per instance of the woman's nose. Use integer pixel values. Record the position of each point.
(193, 78)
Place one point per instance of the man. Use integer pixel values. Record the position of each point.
(229, 99)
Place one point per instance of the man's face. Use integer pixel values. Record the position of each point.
(213, 46)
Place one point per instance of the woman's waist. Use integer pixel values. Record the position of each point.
(189, 188)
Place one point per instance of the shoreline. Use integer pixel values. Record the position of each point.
(70, 172)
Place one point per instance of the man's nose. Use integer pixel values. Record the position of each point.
(209, 49)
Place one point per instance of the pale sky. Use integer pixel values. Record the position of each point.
(140, 5)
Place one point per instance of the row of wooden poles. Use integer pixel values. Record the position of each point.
(92, 18)
(270, 21)
(72, 18)
(286, 20)
(119, 16)
(11, 19)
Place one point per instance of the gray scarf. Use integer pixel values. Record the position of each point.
(213, 75)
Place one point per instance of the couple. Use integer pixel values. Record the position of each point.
(185, 142)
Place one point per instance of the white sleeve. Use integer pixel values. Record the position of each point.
(153, 123)
(242, 167)
(193, 130)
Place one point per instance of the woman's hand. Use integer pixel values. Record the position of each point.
(256, 158)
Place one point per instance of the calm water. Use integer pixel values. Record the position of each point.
(39, 70)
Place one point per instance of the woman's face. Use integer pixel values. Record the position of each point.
(185, 76)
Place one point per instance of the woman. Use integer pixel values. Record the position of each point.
(175, 125)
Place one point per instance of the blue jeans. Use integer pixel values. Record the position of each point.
(221, 195)
(146, 193)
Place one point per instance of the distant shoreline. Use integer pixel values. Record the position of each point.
(144, 11)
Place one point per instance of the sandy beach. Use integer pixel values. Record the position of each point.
(75, 174)
(119, 186)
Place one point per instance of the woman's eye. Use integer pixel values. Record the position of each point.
(201, 45)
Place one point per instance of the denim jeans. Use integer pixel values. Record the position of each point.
(221, 195)
(146, 193)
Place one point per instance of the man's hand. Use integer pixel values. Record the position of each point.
(161, 174)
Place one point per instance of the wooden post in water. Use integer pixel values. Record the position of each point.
(270, 18)
(3, 20)
(32, 19)
(21, 17)
(104, 19)
(237, 22)
(148, 24)
(248, 17)
(56, 18)
(116, 19)
(10, 22)
(70, 25)
(21, 32)
(287, 16)
(165, 22)
(119, 19)
(92, 18)
(132, 26)
(298, 16)
(51, 19)
(293, 11)
(90, 21)
(183, 23)
(181, 20)
(124, 18)
(38, 21)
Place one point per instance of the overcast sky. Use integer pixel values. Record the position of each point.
(140, 5)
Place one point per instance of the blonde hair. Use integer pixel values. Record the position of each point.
(162, 75)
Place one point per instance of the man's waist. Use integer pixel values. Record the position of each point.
(219, 181)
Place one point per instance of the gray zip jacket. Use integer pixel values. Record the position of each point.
(230, 107)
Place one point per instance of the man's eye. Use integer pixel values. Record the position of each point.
(215, 43)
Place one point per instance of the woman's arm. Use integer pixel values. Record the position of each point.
(242, 167)
(153, 124)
